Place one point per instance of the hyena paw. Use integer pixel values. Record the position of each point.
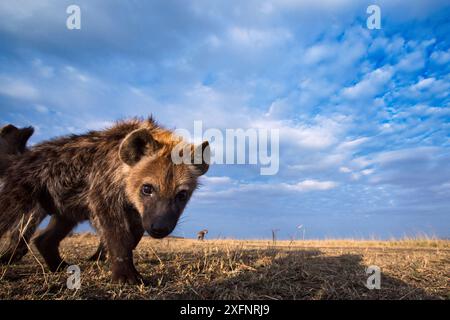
(13, 254)
(9, 258)
(127, 275)
(59, 266)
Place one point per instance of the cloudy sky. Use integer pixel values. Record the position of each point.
(363, 115)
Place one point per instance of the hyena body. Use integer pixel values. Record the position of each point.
(121, 179)
(201, 234)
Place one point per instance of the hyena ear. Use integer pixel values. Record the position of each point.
(23, 136)
(7, 130)
(137, 144)
(17, 138)
(200, 158)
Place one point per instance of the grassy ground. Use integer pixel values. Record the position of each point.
(234, 269)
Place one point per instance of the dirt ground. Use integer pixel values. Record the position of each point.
(238, 269)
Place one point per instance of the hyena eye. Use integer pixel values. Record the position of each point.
(147, 189)
(182, 196)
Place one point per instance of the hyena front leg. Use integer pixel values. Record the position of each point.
(101, 253)
(120, 240)
(47, 242)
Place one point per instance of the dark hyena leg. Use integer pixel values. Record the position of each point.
(18, 246)
(19, 238)
(47, 242)
(121, 237)
(100, 254)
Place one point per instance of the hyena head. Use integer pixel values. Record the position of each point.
(12, 143)
(157, 186)
(13, 140)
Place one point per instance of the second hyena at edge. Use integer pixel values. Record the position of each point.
(13, 143)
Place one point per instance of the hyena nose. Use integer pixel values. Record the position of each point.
(158, 231)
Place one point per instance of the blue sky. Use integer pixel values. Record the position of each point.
(363, 114)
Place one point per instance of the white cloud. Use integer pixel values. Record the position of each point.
(216, 180)
(280, 108)
(320, 133)
(345, 170)
(302, 186)
(231, 188)
(317, 53)
(43, 70)
(441, 57)
(423, 84)
(428, 88)
(312, 185)
(41, 108)
(352, 144)
(410, 154)
(258, 38)
(370, 86)
(413, 61)
(367, 172)
(17, 88)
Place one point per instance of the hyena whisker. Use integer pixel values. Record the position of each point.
(184, 218)
(181, 221)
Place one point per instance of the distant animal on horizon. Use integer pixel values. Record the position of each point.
(201, 234)
(122, 179)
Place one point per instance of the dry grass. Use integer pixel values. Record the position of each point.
(233, 269)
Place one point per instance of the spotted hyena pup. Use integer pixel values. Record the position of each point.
(122, 179)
